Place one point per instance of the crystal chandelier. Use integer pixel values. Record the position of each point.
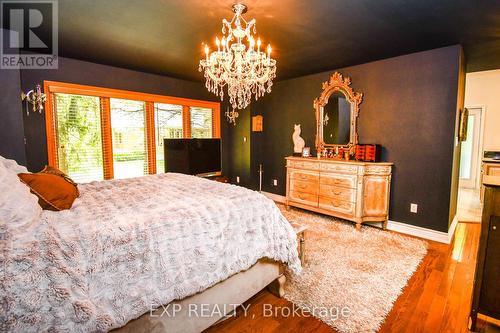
(238, 63)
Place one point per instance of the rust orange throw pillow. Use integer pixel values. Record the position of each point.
(55, 190)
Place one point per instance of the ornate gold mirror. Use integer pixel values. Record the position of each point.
(337, 111)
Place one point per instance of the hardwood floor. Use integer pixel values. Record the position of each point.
(469, 206)
(436, 299)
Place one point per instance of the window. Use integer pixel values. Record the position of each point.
(201, 122)
(168, 124)
(79, 142)
(98, 133)
(128, 125)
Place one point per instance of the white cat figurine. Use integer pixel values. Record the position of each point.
(298, 142)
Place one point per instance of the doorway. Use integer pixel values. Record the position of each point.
(469, 204)
(470, 157)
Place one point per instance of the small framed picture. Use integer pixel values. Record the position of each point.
(306, 152)
(462, 126)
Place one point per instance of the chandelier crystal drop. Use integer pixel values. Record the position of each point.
(239, 63)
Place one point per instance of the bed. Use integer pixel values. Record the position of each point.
(128, 247)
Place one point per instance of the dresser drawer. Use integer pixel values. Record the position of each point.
(308, 165)
(331, 179)
(304, 198)
(338, 193)
(341, 168)
(344, 207)
(304, 175)
(492, 169)
(311, 186)
(378, 170)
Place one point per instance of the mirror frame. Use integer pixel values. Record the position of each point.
(337, 82)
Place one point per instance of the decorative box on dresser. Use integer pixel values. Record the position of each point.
(355, 191)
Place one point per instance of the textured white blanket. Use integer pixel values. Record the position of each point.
(128, 244)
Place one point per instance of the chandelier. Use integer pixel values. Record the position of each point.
(238, 63)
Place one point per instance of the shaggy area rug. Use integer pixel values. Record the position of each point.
(351, 279)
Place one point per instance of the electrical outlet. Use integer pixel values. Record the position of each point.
(238, 179)
(413, 208)
(275, 182)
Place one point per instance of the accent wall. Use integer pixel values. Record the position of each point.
(409, 107)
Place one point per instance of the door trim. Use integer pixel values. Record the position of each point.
(481, 141)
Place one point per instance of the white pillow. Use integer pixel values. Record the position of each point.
(19, 208)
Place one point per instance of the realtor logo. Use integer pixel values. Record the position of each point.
(29, 34)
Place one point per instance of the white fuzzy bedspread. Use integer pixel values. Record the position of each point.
(128, 244)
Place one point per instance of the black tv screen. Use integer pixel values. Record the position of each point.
(192, 156)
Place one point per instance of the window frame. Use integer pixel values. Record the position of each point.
(105, 94)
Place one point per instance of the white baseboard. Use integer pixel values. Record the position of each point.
(437, 236)
(451, 230)
(408, 229)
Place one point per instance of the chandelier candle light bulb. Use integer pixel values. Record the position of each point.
(237, 66)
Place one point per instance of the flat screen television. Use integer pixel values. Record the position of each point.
(193, 156)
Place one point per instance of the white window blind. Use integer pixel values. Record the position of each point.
(78, 137)
(98, 133)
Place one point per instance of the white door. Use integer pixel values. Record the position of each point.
(470, 156)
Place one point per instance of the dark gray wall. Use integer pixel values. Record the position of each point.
(11, 123)
(11, 118)
(239, 149)
(81, 72)
(455, 173)
(409, 107)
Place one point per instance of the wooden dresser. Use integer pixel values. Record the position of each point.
(355, 191)
(489, 167)
(486, 293)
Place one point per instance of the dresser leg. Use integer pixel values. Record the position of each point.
(384, 225)
(358, 226)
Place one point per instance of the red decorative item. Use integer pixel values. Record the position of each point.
(368, 153)
(360, 153)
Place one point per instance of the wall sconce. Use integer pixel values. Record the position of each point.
(231, 116)
(325, 119)
(36, 98)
